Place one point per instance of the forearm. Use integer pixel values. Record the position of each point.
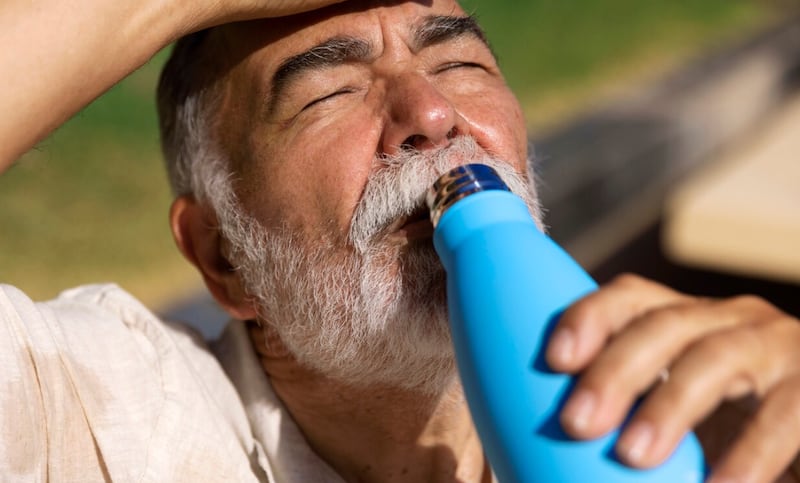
(58, 55)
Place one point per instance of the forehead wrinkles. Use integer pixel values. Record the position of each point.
(272, 43)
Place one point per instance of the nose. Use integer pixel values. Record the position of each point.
(419, 116)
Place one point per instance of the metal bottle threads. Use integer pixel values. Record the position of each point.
(458, 183)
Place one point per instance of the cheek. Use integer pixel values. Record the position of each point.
(344, 151)
(497, 123)
(320, 170)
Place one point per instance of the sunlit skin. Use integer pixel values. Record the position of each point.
(306, 155)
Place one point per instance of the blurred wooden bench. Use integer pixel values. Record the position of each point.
(742, 214)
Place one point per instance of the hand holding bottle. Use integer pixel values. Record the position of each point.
(620, 339)
(507, 284)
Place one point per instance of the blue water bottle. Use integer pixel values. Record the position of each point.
(507, 282)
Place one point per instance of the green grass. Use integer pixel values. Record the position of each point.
(90, 203)
(559, 55)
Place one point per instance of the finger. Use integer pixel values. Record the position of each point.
(697, 384)
(218, 13)
(748, 359)
(586, 326)
(633, 360)
(769, 442)
(291, 7)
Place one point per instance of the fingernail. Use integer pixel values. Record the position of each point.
(562, 346)
(635, 441)
(579, 410)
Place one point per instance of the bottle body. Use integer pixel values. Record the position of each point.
(507, 285)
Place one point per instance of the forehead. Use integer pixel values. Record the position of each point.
(268, 42)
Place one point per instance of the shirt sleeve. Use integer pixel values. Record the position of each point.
(38, 397)
(99, 389)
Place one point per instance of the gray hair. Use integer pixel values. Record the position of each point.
(189, 96)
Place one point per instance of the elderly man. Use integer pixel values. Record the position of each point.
(299, 149)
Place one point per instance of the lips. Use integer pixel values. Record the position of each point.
(415, 226)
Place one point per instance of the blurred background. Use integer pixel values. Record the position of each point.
(662, 132)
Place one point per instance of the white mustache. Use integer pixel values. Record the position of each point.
(397, 187)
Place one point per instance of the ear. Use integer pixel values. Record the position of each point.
(196, 232)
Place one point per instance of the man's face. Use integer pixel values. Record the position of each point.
(337, 122)
(307, 115)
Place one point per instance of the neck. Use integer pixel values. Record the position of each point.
(380, 434)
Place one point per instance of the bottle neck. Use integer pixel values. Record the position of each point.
(457, 184)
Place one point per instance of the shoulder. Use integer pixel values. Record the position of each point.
(96, 328)
(152, 398)
(77, 318)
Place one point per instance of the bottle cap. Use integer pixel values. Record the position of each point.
(458, 183)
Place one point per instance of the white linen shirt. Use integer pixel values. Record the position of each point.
(97, 388)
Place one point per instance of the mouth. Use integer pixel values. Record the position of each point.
(415, 226)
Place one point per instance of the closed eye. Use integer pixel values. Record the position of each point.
(328, 97)
(458, 65)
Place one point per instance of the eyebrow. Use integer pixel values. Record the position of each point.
(432, 30)
(437, 29)
(332, 52)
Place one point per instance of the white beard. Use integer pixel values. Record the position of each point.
(367, 312)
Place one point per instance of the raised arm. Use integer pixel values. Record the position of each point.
(56, 56)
